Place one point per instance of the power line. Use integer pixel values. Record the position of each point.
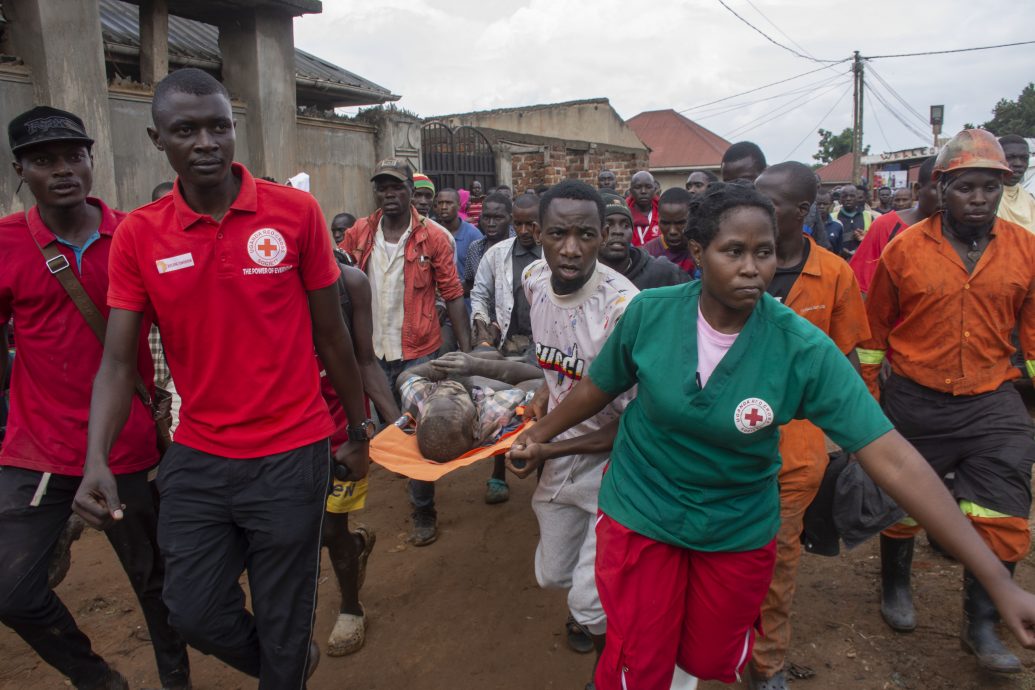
(834, 63)
(779, 30)
(909, 108)
(908, 124)
(743, 104)
(881, 128)
(945, 52)
(772, 115)
(759, 88)
(895, 114)
(786, 94)
(818, 124)
(771, 39)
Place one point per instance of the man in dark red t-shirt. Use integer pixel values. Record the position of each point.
(242, 278)
(41, 463)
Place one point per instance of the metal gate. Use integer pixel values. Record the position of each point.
(456, 158)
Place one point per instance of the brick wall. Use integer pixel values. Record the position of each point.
(555, 163)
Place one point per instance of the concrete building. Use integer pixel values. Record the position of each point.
(100, 59)
(541, 144)
(678, 146)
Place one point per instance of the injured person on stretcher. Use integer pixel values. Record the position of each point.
(461, 401)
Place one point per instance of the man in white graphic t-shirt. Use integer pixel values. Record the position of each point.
(575, 302)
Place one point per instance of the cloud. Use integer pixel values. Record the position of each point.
(461, 55)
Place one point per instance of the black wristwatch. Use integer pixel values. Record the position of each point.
(364, 431)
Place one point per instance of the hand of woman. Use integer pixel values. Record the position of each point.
(1017, 609)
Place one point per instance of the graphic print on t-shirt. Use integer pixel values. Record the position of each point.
(567, 365)
(568, 331)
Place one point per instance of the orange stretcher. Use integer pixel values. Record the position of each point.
(396, 450)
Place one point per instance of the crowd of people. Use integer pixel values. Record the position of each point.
(695, 359)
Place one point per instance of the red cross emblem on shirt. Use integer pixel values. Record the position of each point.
(752, 414)
(267, 247)
(754, 417)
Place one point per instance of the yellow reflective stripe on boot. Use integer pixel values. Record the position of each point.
(973, 509)
(1029, 364)
(873, 357)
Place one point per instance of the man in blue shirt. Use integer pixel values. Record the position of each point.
(447, 212)
(832, 229)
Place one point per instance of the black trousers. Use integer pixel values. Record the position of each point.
(985, 439)
(222, 516)
(28, 605)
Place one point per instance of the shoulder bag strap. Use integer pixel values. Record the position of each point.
(58, 266)
(894, 231)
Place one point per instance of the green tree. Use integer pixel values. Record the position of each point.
(1014, 117)
(833, 146)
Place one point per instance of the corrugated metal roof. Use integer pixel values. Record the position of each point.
(120, 24)
(189, 39)
(676, 141)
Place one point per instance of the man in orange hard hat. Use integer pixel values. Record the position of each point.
(945, 298)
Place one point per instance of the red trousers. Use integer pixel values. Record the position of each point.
(667, 605)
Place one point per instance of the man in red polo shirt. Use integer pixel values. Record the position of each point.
(242, 279)
(41, 462)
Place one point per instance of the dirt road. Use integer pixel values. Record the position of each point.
(465, 613)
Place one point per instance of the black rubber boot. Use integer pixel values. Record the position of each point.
(978, 636)
(896, 597)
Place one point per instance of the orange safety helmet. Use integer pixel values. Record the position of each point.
(971, 148)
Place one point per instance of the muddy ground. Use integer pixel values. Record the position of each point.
(465, 612)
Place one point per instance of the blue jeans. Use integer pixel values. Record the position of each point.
(422, 494)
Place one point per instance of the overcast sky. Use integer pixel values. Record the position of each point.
(459, 55)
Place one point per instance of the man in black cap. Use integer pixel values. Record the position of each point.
(643, 270)
(41, 462)
(407, 259)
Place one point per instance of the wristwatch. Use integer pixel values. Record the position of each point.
(364, 431)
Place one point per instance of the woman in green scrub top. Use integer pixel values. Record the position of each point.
(691, 488)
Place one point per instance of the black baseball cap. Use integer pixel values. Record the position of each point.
(44, 124)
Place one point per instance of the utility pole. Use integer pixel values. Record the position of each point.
(857, 117)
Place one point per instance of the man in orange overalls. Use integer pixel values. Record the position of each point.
(945, 299)
(820, 287)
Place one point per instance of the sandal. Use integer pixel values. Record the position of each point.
(348, 635)
(579, 638)
(369, 538)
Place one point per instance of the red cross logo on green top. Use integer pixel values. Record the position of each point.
(752, 415)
